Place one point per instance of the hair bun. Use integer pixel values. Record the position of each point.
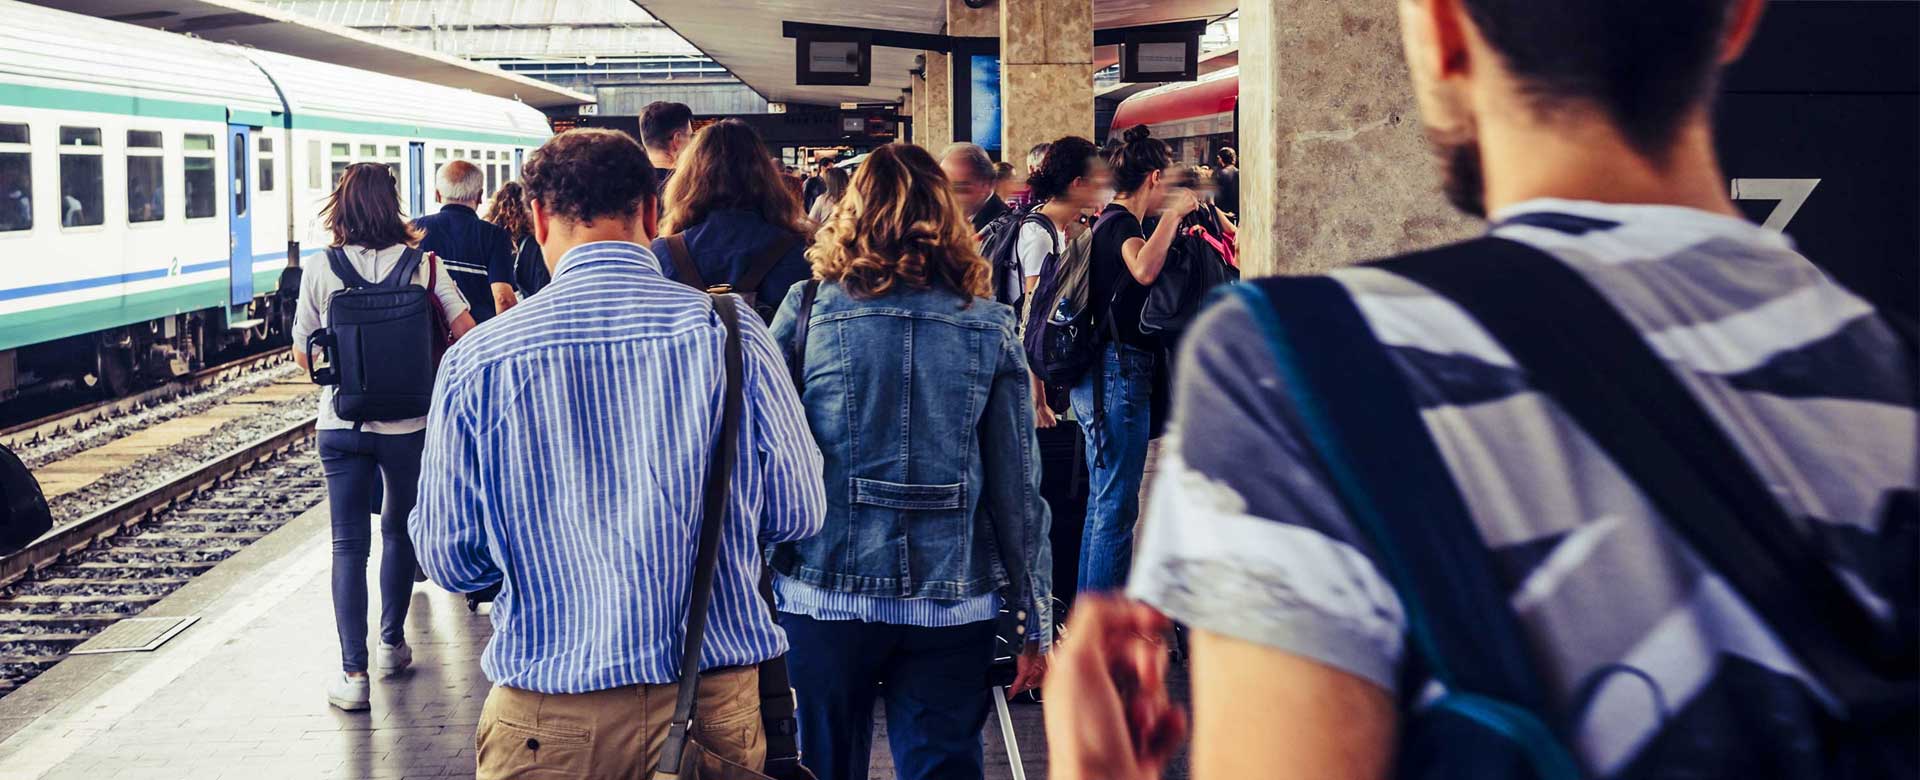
(1138, 133)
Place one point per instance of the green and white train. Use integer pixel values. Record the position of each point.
(158, 192)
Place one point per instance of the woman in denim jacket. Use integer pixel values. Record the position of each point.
(916, 389)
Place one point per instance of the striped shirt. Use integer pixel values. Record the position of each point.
(567, 454)
(1656, 666)
(798, 598)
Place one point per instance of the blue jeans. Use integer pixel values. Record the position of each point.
(936, 693)
(355, 463)
(1116, 463)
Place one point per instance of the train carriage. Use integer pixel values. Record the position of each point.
(158, 192)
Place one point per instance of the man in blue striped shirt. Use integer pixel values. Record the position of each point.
(566, 456)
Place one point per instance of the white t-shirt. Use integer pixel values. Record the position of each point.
(1036, 242)
(317, 286)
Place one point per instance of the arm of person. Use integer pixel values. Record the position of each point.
(448, 520)
(790, 462)
(1010, 458)
(453, 305)
(500, 273)
(1337, 724)
(1146, 257)
(306, 316)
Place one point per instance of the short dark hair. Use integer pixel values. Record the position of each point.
(1226, 156)
(585, 174)
(660, 120)
(1646, 63)
(1065, 160)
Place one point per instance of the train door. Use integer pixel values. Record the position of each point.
(239, 218)
(417, 178)
(519, 159)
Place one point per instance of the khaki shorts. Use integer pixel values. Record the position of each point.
(614, 733)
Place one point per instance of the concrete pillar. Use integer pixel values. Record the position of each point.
(936, 119)
(1333, 167)
(915, 106)
(1046, 73)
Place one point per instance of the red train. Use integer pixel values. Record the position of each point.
(1194, 117)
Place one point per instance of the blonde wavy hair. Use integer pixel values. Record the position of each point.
(898, 225)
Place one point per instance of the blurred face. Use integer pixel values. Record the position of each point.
(1008, 186)
(968, 188)
(1095, 189)
(680, 140)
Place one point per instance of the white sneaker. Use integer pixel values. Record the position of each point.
(388, 659)
(348, 692)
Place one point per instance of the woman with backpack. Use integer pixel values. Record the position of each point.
(508, 211)
(372, 240)
(1071, 181)
(732, 219)
(916, 390)
(1114, 399)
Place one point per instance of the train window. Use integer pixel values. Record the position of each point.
(459, 154)
(493, 155)
(266, 164)
(493, 178)
(16, 179)
(367, 151)
(203, 192)
(342, 150)
(473, 155)
(394, 168)
(313, 165)
(239, 148)
(440, 155)
(339, 169)
(393, 152)
(146, 177)
(82, 185)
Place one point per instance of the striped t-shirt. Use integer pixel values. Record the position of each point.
(1660, 667)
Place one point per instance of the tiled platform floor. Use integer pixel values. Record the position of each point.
(241, 693)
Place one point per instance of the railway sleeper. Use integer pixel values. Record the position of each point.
(101, 619)
(143, 584)
(67, 638)
(110, 598)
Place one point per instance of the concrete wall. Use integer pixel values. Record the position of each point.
(1330, 142)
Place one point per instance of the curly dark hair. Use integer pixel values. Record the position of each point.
(1065, 161)
(588, 173)
(1140, 154)
(508, 209)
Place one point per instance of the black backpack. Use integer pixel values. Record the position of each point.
(1193, 268)
(747, 286)
(1000, 245)
(378, 343)
(1062, 339)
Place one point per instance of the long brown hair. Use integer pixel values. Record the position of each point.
(727, 167)
(364, 209)
(508, 210)
(899, 224)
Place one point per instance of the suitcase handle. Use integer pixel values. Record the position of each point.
(327, 342)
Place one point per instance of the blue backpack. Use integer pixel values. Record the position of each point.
(378, 344)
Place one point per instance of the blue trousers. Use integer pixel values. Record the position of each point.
(1116, 463)
(935, 689)
(355, 463)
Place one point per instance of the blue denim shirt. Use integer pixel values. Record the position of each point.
(923, 412)
(729, 239)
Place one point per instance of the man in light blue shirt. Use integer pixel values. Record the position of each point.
(566, 457)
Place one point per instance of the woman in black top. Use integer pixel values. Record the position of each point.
(508, 209)
(1125, 261)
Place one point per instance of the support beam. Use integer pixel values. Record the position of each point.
(1334, 169)
(1046, 73)
(937, 118)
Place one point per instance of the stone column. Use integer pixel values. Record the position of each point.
(933, 127)
(1046, 73)
(1333, 167)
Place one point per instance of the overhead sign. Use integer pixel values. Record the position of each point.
(833, 58)
(1155, 55)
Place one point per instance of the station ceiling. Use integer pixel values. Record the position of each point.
(252, 24)
(745, 36)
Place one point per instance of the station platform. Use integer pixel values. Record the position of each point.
(240, 693)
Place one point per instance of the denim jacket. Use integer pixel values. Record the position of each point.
(924, 415)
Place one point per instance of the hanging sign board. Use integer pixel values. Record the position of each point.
(1160, 55)
(833, 58)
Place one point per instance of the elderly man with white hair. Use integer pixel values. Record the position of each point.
(971, 173)
(477, 254)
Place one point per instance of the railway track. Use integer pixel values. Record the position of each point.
(87, 575)
(72, 421)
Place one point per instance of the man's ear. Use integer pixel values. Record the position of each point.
(1743, 19)
(1447, 20)
(436, 197)
(537, 213)
(650, 219)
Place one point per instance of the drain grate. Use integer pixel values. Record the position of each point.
(134, 635)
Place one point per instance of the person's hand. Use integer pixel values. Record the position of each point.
(1043, 416)
(1030, 670)
(503, 297)
(1180, 203)
(1108, 715)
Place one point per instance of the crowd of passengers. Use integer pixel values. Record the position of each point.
(629, 314)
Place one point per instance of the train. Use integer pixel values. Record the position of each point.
(159, 192)
(1195, 118)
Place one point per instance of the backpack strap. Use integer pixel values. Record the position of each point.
(803, 319)
(763, 263)
(404, 271)
(343, 268)
(1366, 428)
(684, 270)
(713, 514)
(1579, 350)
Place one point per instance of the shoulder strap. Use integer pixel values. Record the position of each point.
(1367, 430)
(713, 515)
(763, 263)
(684, 270)
(404, 271)
(343, 268)
(1579, 350)
(803, 319)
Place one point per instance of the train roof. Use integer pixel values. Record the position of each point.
(1212, 94)
(57, 59)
